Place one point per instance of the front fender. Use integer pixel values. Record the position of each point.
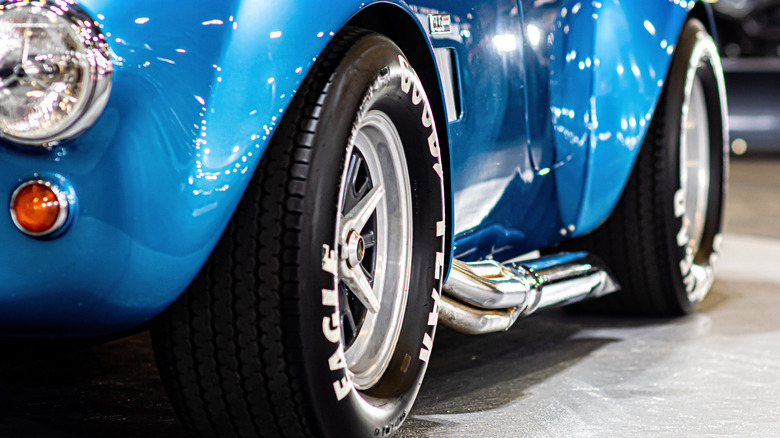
(198, 90)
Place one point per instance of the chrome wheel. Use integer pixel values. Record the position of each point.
(703, 163)
(374, 232)
(695, 162)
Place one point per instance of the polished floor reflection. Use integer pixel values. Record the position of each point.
(716, 372)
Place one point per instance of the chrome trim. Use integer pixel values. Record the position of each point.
(489, 285)
(62, 216)
(695, 148)
(485, 296)
(445, 62)
(473, 321)
(101, 68)
(696, 190)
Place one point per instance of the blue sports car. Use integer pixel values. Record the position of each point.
(292, 196)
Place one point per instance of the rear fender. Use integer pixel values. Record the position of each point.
(625, 69)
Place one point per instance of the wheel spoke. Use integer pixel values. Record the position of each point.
(356, 162)
(358, 283)
(354, 168)
(368, 275)
(350, 319)
(369, 239)
(357, 217)
(362, 189)
(347, 317)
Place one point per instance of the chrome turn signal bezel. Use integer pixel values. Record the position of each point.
(62, 216)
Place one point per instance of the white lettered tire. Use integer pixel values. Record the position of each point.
(315, 314)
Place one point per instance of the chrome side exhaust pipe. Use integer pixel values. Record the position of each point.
(486, 296)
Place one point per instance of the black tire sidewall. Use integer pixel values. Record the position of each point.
(369, 76)
(669, 176)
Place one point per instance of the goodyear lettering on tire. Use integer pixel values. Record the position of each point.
(410, 83)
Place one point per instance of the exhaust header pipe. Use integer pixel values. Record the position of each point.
(486, 296)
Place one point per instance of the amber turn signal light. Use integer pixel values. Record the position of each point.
(39, 208)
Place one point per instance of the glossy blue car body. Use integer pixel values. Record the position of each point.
(555, 98)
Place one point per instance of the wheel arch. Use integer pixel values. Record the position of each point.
(400, 26)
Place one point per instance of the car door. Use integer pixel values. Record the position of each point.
(503, 194)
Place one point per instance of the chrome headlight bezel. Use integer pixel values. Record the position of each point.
(93, 47)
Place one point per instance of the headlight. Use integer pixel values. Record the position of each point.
(55, 71)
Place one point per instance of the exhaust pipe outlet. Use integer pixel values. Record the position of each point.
(486, 296)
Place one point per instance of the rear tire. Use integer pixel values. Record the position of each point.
(276, 336)
(663, 237)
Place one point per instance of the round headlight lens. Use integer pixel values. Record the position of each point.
(55, 71)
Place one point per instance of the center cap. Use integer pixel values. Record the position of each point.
(356, 249)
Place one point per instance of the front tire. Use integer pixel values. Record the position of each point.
(663, 238)
(315, 314)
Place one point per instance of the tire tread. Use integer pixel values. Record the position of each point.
(233, 373)
(631, 241)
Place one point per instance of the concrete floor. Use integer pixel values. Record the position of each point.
(714, 373)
